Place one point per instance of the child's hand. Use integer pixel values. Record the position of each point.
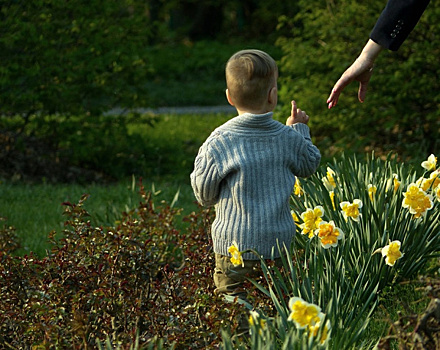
(297, 116)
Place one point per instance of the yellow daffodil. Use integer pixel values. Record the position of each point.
(294, 216)
(394, 182)
(417, 201)
(236, 258)
(329, 179)
(257, 321)
(329, 234)
(302, 313)
(306, 315)
(298, 191)
(392, 252)
(351, 210)
(430, 163)
(314, 328)
(332, 198)
(431, 183)
(437, 193)
(311, 218)
(372, 191)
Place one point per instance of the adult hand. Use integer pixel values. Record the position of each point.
(297, 116)
(361, 70)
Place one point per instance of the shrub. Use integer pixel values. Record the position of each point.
(141, 280)
(8, 239)
(71, 57)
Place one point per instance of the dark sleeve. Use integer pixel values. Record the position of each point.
(397, 20)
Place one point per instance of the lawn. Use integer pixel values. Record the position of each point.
(37, 209)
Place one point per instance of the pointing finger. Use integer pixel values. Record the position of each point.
(294, 109)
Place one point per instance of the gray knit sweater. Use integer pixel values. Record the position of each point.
(247, 169)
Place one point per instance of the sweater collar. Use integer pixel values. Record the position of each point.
(263, 122)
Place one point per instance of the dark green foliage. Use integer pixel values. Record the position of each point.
(76, 148)
(8, 238)
(193, 73)
(141, 278)
(72, 56)
(87, 149)
(81, 56)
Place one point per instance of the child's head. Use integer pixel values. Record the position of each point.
(251, 80)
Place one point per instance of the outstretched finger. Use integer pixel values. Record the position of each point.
(294, 111)
(364, 79)
(333, 98)
(340, 85)
(362, 91)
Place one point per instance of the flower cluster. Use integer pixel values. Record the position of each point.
(416, 200)
(391, 252)
(329, 234)
(419, 196)
(308, 316)
(311, 219)
(351, 210)
(236, 258)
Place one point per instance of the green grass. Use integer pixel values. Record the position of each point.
(401, 299)
(36, 209)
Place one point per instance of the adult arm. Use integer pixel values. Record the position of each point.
(395, 23)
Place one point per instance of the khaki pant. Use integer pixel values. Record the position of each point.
(230, 280)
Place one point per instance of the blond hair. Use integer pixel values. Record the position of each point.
(250, 74)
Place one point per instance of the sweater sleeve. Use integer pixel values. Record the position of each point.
(308, 156)
(205, 179)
